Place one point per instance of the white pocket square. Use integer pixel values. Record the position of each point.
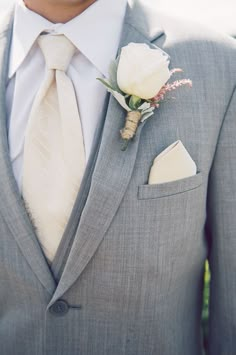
(174, 163)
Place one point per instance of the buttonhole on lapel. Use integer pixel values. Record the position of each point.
(79, 306)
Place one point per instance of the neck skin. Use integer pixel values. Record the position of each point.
(58, 11)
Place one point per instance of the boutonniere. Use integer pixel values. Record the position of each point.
(138, 80)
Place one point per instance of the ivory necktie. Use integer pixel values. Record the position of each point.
(54, 157)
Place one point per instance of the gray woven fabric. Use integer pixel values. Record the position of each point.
(133, 277)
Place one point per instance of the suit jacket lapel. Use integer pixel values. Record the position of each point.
(12, 208)
(110, 179)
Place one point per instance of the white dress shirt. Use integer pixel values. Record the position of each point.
(95, 33)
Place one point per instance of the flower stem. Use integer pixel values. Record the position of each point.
(131, 125)
(125, 143)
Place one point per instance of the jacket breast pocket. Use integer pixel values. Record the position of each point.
(146, 192)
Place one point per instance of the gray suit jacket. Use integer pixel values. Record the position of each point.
(127, 279)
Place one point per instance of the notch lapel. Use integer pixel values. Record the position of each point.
(12, 208)
(110, 180)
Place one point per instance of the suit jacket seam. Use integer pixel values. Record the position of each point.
(222, 124)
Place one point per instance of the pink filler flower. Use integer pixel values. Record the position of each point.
(170, 87)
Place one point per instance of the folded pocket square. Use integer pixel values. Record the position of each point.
(174, 163)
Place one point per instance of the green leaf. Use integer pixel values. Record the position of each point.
(134, 102)
(113, 75)
(106, 83)
(121, 99)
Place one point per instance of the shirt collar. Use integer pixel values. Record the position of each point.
(95, 33)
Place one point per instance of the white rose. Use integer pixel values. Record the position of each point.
(142, 71)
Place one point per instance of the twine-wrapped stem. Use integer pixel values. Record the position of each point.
(131, 125)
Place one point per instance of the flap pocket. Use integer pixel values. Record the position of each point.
(169, 188)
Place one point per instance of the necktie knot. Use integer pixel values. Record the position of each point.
(57, 50)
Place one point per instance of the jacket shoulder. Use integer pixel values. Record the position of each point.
(181, 34)
(182, 30)
(200, 46)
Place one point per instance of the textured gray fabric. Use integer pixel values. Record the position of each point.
(60, 259)
(133, 277)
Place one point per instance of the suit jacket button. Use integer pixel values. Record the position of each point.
(59, 308)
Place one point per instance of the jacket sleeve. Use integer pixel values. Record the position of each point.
(221, 233)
